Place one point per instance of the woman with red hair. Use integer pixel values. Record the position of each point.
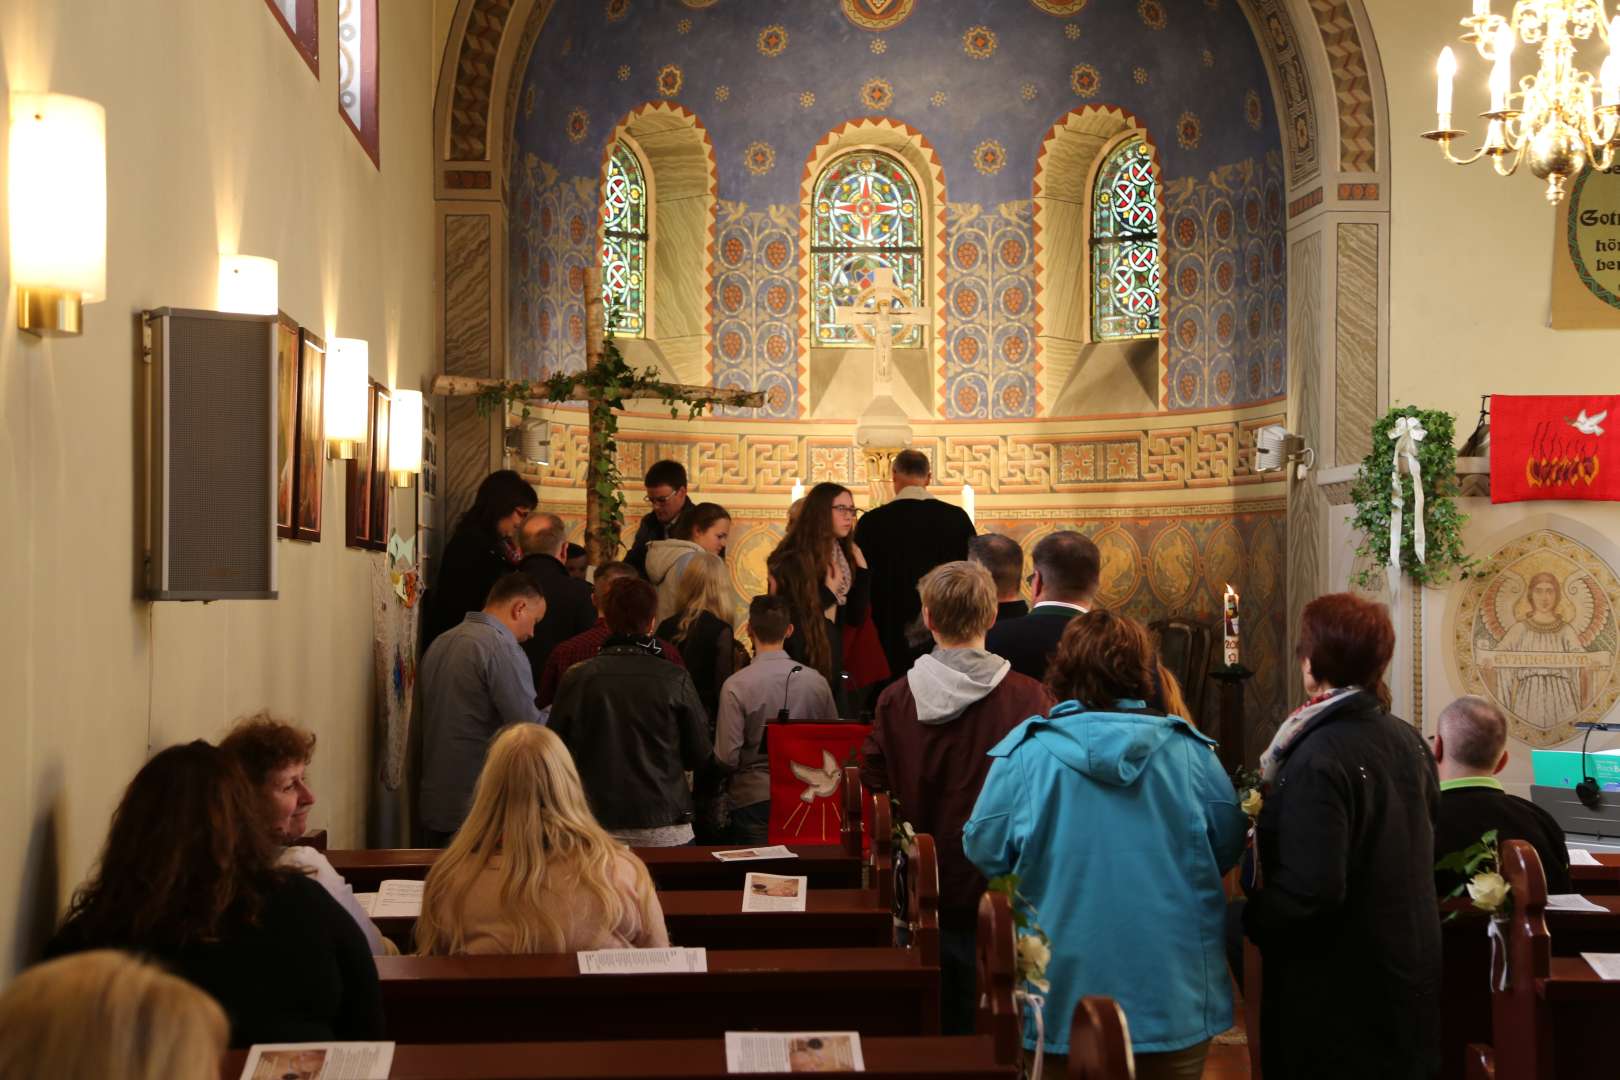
(1342, 904)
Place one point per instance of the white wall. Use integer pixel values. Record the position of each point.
(218, 136)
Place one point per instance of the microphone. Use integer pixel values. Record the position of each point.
(787, 685)
(1588, 790)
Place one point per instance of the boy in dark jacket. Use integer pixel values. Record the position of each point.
(928, 747)
(1470, 748)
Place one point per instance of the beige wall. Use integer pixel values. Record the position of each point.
(218, 135)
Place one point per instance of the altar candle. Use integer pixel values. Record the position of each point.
(967, 500)
(1230, 625)
(798, 492)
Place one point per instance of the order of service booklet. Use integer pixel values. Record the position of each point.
(394, 898)
(677, 959)
(772, 892)
(793, 1051)
(319, 1061)
(778, 851)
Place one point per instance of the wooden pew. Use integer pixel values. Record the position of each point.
(1595, 881)
(1554, 1021)
(1100, 1042)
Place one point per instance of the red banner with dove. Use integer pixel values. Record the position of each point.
(1555, 446)
(807, 779)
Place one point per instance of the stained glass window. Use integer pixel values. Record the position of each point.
(624, 243)
(866, 215)
(1125, 262)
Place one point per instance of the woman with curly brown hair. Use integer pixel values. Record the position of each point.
(1119, 823)
(188, 878)
(818, 569)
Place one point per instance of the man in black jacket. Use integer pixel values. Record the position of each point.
(666, 492)
(1470, 748)
(1068, 568)
(1002, 556)
(569, 609)
(902, 541)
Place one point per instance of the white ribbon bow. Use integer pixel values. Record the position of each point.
(1407, 434)
(1493, 929)
(1037, 1005)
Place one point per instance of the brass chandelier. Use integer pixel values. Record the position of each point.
(1560, 118)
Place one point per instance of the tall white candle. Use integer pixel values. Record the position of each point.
(1481, 8)
(967, 501)
(1502, 70)
(798, 492)
(1445, 70)
(1229, 625)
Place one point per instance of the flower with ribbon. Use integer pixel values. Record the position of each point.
(1407, 434)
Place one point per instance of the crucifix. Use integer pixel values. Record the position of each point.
(600, 547)
(878, 309)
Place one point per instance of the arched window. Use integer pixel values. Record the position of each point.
(624, 243)
(1125, 263)
(866, 215)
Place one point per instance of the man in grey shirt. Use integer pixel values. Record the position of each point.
(475, 681)
(773, 684)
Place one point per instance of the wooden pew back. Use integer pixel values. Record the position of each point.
(1100, 1042)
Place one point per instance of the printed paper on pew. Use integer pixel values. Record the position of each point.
(772, 892)
(793, 1051)
(1579, 856)
(319, 1061)
(779, 851)
(1607, 965)
(1573, 902)
(367, 901)
(398, 899)
(678, 959)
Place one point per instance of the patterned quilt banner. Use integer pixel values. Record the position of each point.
(1555, 447)
(807, 779)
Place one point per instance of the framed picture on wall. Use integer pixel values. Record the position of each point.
(367, 495)
(286, 423)
(309, 458)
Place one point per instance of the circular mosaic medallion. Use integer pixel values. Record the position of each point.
(1173, 566)
(877, 14)
(1060, 7)
(1121, 566)
(746, 555)
(1535, 632)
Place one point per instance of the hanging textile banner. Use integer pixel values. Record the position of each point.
(807, 779)
(1555, 447)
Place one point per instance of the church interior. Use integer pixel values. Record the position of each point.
(1164, 273)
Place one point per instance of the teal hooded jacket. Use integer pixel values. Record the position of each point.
(1119, 825)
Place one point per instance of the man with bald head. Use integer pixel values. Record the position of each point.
(544, 539)
(1470, 748)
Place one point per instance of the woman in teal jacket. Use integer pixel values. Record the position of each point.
(1119, 824)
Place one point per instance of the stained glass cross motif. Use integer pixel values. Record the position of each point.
(877, 311)
(866, 219)
(1126, 268)
(624, 242)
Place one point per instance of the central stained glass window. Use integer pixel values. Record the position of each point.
(1125, 265)
(624, 243)
(866, 215)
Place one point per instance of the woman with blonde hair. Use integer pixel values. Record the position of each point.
(701, 627)
(105, 1013)
(531, 870)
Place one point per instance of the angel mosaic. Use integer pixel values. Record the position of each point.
(1539, 636)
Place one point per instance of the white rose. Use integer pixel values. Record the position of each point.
(1488, 891)
(1033, 956)
(1252, 802)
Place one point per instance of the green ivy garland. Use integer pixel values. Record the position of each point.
(608, 384)
(1437, 457)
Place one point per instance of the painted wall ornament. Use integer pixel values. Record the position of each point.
(1535, 632)
(877, 14)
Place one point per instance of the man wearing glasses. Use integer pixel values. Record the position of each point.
(666, 494)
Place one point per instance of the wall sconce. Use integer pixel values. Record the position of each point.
(348, 381)
(405, 437)
(1275, 447)
(530, 441)
(58, 210)
(247, 284)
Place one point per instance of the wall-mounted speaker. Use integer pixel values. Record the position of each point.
(211, 455)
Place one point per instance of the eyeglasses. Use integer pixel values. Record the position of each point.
(660, 500)
(850, 510)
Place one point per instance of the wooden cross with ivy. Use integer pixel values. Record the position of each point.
(605, 384)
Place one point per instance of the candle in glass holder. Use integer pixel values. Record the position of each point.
(1229, 620)
(798, 492)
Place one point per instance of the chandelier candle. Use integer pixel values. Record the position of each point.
(1557, 119)
(1229, 621)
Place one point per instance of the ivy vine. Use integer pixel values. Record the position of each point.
(1442, 521)
(608, 384)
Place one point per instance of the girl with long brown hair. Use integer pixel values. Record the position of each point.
(188, 877)
(820, 571)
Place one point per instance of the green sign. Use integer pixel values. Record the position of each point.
(1594, 233)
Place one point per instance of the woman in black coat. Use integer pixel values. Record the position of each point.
(1344, 909)
(820, 571)
(479, 551)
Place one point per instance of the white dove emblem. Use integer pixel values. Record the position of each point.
(820, 783)
(1589, 425)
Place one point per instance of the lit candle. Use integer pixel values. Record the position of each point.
(798, 492)
(1482, 8)
(967, 500)
(1445, 69)
(1230, 625)
(1502, 71)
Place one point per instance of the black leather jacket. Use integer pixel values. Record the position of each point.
(634, 724)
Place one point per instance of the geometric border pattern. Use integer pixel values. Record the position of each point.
(1358, 125)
